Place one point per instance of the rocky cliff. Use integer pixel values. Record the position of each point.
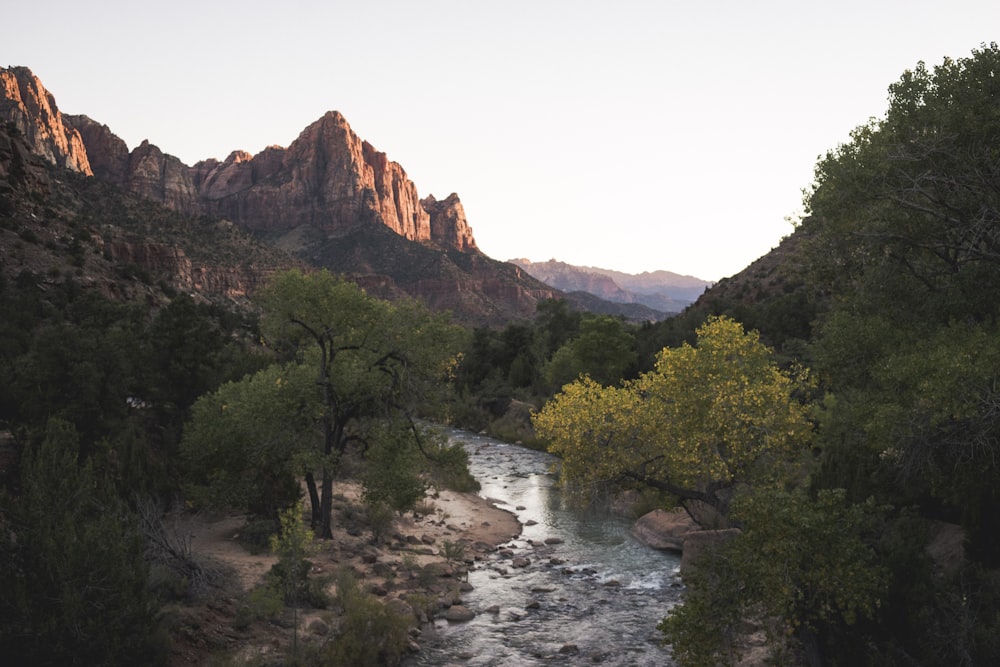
(60, 226)
(328, 178)
(33, 112)
(330, 198)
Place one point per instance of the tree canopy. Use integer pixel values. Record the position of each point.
(905, 236)
(351, 363)
(708, 419)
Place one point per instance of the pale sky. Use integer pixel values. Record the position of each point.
(632, 135)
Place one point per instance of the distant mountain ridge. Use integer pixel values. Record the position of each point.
(663, 291)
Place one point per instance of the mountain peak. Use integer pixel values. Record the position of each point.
(26, 103)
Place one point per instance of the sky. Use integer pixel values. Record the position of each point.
(634, 135)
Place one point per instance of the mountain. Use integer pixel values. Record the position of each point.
(329, 198)
(61, 229)
(659, 290)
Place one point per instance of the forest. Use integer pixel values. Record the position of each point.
(842, 415)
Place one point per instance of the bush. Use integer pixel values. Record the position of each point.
(71, 566)
(370, 633)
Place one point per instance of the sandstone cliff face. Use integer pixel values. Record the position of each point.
(32, 109)
(20, 174)
(328, 178)
(329, 197)
(163, 260)
(449, 226)
(108, 155)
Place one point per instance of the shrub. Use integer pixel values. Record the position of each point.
(370, 632)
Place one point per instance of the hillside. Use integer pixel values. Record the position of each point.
(59, 225)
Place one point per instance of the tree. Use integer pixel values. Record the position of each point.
(603, 350)
(249, 442)
(706, 421)
(801, 568)
(72, 572)
(905, 236)
(352, 362)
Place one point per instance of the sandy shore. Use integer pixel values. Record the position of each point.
(458, 518)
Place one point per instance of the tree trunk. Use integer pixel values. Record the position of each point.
(326, 504)
(314, 504)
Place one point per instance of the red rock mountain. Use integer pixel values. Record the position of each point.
(26, 103)
(328, 178)
(324, 198)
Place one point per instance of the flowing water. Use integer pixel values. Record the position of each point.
(592, 595)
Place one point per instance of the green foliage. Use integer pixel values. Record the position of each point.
(248, 442)
(392, 469)
(904, 241)
(370, 632)
(71, 566)
(904, 235)
(354, 368)
(603, 350)
(707, 420)
(449, 465)
(293, 544)
(805, 564)
(124, 377)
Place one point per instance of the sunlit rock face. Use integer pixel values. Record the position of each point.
(449, 225)
(328, 178)
(26, 103)
(330, 199)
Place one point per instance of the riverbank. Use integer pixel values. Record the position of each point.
(421, 555)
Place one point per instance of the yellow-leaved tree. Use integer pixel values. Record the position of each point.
(706, 420)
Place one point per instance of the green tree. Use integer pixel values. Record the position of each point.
(604, 350)
(904, 240)
(905, 235)
(802, 568)
(353, 362)
(293, 545)
(249, 442)
(706, 421)
(72, 572)
(392, 469)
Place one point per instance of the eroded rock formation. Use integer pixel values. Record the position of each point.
(328, 178)
(33, 111)
(330, 198)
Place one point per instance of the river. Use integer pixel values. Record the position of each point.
(592, 594)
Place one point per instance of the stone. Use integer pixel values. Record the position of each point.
(329, 198)
(664, 530)
(459, 614)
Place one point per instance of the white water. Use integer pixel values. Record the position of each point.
(600, 606)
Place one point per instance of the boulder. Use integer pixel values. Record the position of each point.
(664, 530)
(459, 614)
